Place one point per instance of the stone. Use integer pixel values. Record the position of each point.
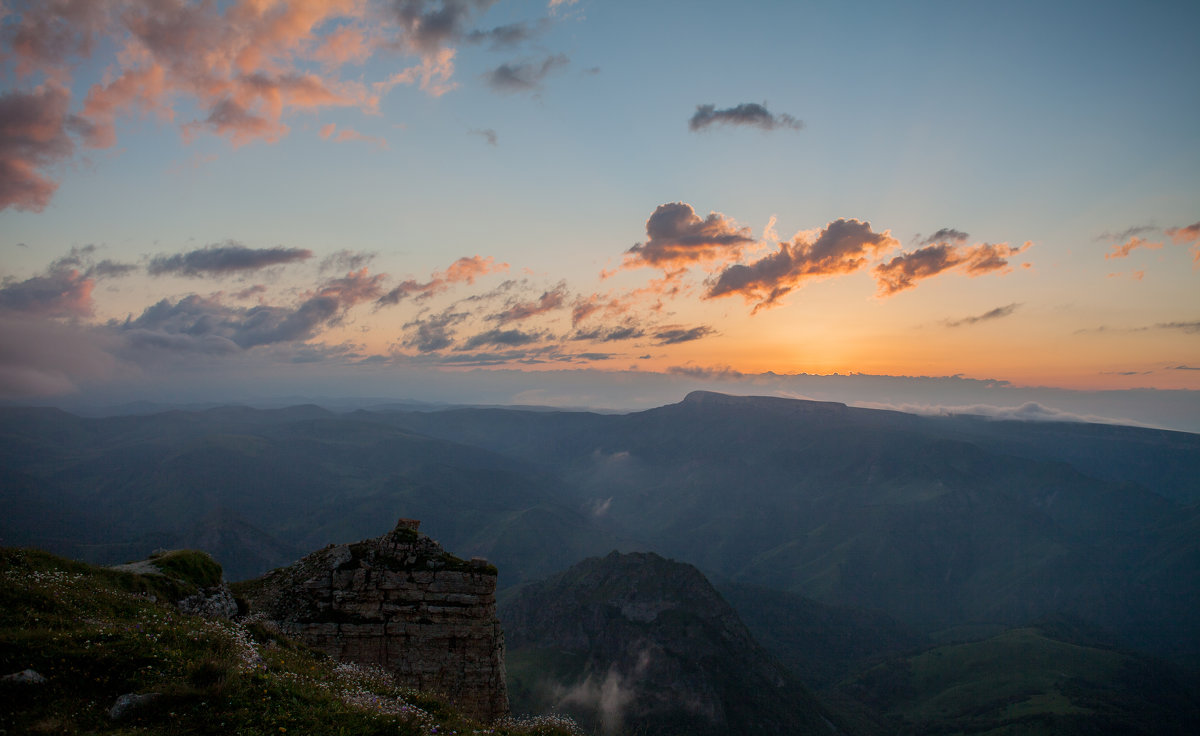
(400, 602)
(215, 602)
(130, 702)
(27, 677)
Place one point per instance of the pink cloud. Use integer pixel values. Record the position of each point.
(33, 138)
(247, 65)
(842, 247)
(905, 270)
(1122, 250)
(464, 270)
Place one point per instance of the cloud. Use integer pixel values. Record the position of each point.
(349, 134)
(501, 338)
(523, 76)
(676, 335)
(434, 333)
(747, 113)
(64, 289)
(464, 270)
(247, 66)
(549, 301)
(52, 358)
(676, 236)
(996, 313)
(224, 259)
(611, 334)
(842, 247)
(34, 136)
(1184, 368)
(1185, 234)
(1030, 411)
(1189, 327)
(487, 133)
(205, 324)
(504, 37)
(345, 260)
(946, 235)
(430, 24)
(61, 292)
(905, 270)
(705, 372)
(1126, 233)
(1121, 250)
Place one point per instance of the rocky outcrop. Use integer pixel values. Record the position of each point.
(401, 602)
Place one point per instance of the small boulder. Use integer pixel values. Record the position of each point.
(130, 702)
(27, 677)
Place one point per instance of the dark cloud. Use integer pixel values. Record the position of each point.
(434, 333)
(747, 113)
(206, 324)
(1184, 368)
(707, 373)
(345, 260)
(905, 270)
(111, 269)
(226, 258)
(1126, 234)
(430, 24)
(1189, 327)
(521, 310)
(611, 334)
(996, 313)
(945, 235)
(501, 338)
(842, 247)
(487, 134)
(34, 136)
(678, 237)
(676, 335)
(506, 36)
(523, 76)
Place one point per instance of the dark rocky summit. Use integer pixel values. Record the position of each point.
(635, 643)
(401, 602)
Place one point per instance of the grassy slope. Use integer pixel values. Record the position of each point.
(96, 634)
(1025, 681)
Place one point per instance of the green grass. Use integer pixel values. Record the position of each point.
(96, 634)
(1025, 681)
(191, 566)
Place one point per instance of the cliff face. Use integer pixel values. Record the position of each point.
(401, 602)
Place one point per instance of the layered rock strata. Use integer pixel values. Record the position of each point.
(400, 602)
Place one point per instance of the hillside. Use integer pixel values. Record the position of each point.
(639, 644)
(1035, 680)
(98, 634)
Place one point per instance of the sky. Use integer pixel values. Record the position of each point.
(603, 203)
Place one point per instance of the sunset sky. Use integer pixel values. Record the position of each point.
(598, 202)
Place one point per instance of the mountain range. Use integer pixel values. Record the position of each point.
(884, 533)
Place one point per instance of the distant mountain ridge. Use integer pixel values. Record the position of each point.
(933, 521)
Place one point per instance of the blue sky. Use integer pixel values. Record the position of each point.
(1024, 171)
